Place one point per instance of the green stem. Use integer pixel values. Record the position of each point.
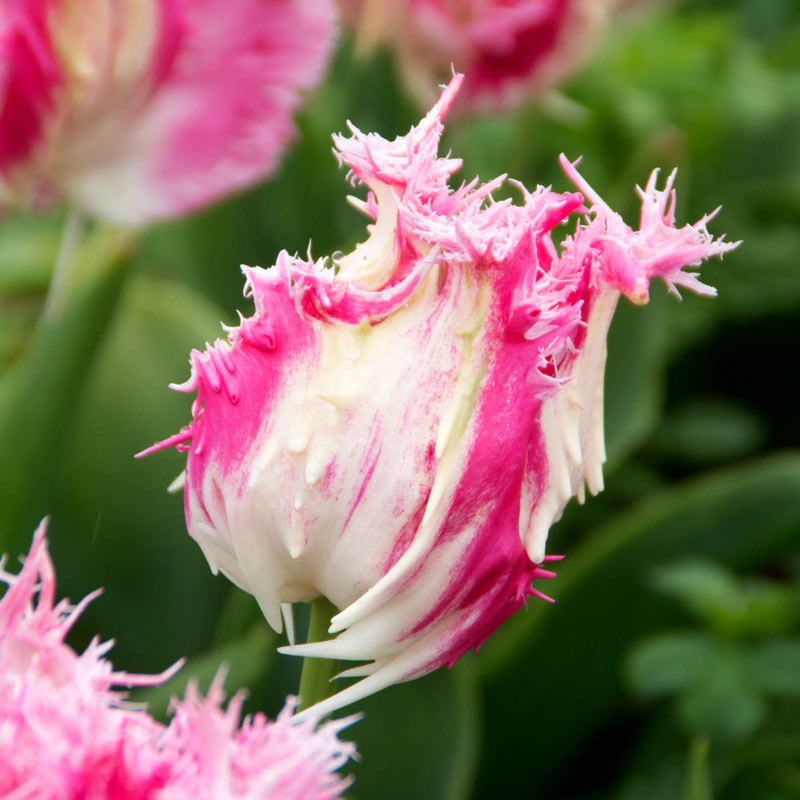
(698, 777)
(65, 262)
(315, 680)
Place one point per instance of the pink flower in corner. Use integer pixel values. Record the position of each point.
(510, 50)
(65, 731)
(399, 429)
(137, 110)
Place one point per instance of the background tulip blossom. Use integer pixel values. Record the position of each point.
(141, 109)
(399, 429)
(510, 50)
(65, 731)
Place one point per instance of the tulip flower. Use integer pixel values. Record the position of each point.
(510, 50)
(65, 731)
(137, 110)
(398, 428)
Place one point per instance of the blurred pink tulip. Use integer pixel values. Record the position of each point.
(137, 110)
(509, 50)
(66, 732)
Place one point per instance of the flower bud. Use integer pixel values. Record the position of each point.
(398, 430)
(141, 109)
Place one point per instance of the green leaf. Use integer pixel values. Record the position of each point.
(767, 608)
(726, 703)
(709, 430)
(727, 604)
(706, 589)
(655, 761)
(28, 249)
(569, 653)
(113, 522)
(776, 666)
(419, 739)
(39, 395)
(634, 376)
(244, 660)
(668, 662)
(755, 768)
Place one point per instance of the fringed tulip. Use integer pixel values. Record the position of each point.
(141, 109)
(510, 50)
(66, 732)
(397, 430)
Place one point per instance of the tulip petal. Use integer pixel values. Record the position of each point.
(399, 430)
(510, 51)
(157, 107)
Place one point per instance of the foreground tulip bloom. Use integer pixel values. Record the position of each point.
(141, 109)
(66, 732)
(399, 432)
(510, 50)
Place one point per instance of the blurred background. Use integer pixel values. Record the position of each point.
(670, 664)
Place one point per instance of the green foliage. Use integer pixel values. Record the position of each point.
(571, 652)
(668, 662)
(421, 739)
(724, 682)
(707, 431)
(721, 678)
(729, 606)
(243, 661)
(38, 394)
(776, 666)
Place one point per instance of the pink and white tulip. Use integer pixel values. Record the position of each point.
(137, 110)
(397, 430)
(510, 50)
(67, 732)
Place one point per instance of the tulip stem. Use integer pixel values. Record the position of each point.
(65, 261)
(698, 777)
(315, 680)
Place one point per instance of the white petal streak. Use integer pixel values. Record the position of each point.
(572, 424)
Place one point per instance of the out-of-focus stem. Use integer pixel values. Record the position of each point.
(38, 394)
(698, 776)
(65, 261)
(315, 680)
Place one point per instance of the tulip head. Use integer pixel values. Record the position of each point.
(397, 429)
(509, 50)
(137, 110)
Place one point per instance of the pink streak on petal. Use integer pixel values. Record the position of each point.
(226, 106)
(523, 48)
(239, 381)
(495, 573)
(28, 78)
(172, 31)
